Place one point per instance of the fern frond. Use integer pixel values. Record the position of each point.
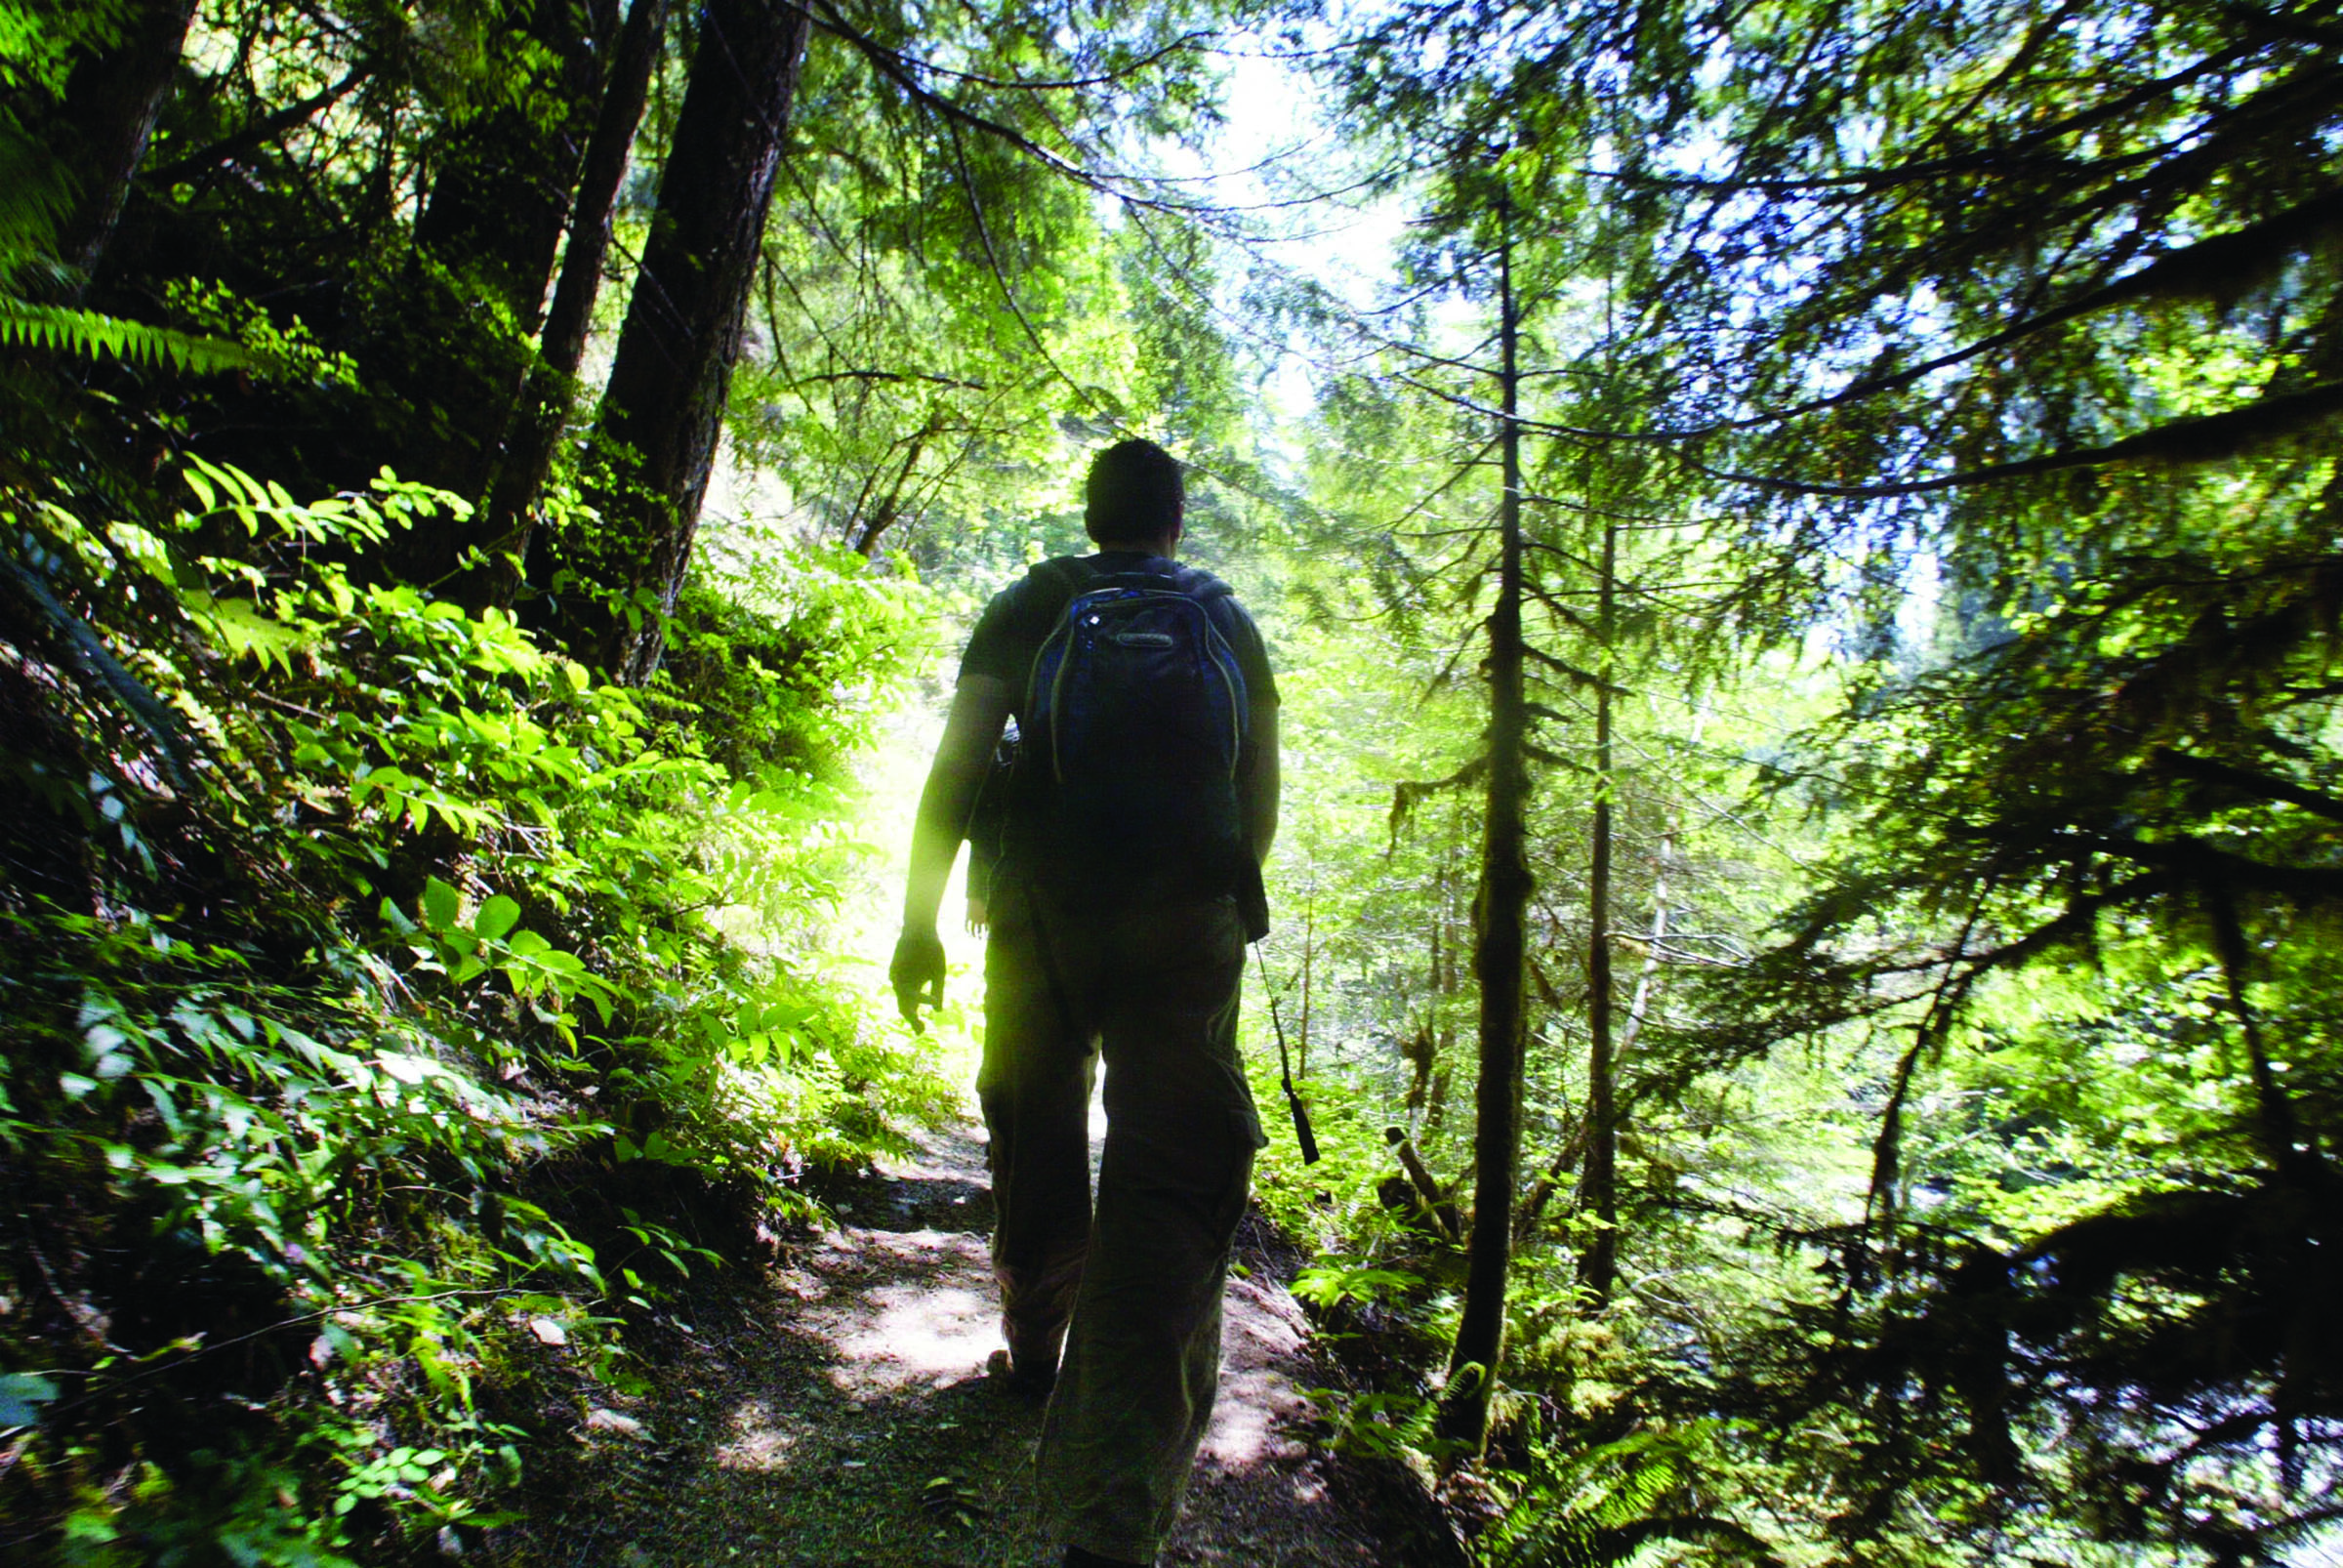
(95, 335)
(1602, 1507)
(86, 651)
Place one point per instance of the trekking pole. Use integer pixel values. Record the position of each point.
(1284, 1070)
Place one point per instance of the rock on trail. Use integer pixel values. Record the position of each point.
(840, 1415)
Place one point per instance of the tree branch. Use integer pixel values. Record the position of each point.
(2225, 265)
(2201, 864)
(900, 69)
(2182, 443)
(1408, 794)
(2206, 771)
(268, 128)
(886, 374)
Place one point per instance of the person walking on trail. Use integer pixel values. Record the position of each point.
(1129, 881)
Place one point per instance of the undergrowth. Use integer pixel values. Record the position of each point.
(389, 1011)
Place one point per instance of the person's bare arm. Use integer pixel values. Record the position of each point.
(979, 707)
(1259, 800)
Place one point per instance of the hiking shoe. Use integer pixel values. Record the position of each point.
(1030, 1383)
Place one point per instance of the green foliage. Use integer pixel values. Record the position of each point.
(1382, 1426)
(379, 929)
(375, 984)
(39, 42)
(785, 648)
(1329, 1286)
(1607, 1504)
(949, 307)
(286, 351)
(38, 48)
(1953, 1131)
(91, 335)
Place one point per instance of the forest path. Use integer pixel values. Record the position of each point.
(840, 1416)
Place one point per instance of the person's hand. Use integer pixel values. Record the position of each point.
(980, 915)
(918, 975)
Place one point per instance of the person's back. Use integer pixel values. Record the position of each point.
(1128, 883)
(1137, 690)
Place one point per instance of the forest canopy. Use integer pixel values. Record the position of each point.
(1805, 578)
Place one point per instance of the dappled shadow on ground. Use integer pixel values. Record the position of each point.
(839, 1416)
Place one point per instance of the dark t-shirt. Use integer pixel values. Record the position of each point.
(1011, 631)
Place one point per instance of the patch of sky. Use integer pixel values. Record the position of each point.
(1920, 608)
(1859, 137)
(1301, 229)
(1715, 70)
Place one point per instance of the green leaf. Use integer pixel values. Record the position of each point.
(244, 629)
(496, 917)
(22, 1397)
(91, 335)
(439, 904)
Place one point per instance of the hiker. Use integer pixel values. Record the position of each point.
(1143, 800)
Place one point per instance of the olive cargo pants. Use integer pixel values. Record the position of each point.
(1142, 1278)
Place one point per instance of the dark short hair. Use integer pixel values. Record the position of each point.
(1134, 493)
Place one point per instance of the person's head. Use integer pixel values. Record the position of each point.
(1133, 496)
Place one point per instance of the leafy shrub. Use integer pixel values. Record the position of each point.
(352, 946)
(781, 646)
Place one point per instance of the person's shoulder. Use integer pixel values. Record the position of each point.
(1218, 596)
(1229, 613)
(1015, 619)
(1200, 584)
(1043, 579)
(1058, 576)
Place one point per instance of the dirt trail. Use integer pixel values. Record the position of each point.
(840, 1416)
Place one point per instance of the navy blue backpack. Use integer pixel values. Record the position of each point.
(1134, 723)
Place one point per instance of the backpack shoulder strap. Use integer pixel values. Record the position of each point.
(1060, 580)
(1200, 584)
(1061, 572)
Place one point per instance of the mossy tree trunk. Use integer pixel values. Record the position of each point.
(1499, 951)
(672, 369)
(503, 171)
(548, 399)
(1598, 1196)
(108, 115)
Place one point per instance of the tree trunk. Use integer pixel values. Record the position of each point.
(1599, 1190)
(664, 405)
(502, 178)
(1498, 957)
(546, 400)
(485, 244)
(109, 110)
(1572, 1152)
(885, 516)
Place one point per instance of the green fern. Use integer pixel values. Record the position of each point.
(94, 335)
(39, 42)
(1602, 1507)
